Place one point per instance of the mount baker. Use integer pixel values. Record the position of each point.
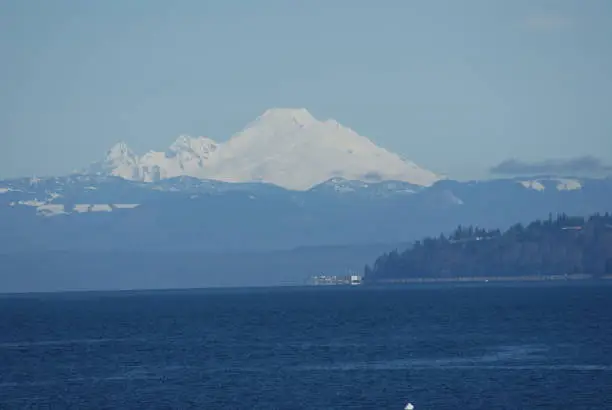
(286, 147)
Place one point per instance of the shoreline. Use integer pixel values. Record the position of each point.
(481, 279)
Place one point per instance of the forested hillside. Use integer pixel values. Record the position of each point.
(555, 246)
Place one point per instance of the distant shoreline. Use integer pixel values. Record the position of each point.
(480, 279)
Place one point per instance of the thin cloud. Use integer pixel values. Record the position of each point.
(547, 22)
(579, 165)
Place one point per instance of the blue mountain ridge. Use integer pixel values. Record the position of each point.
(84, 212)
(85, 232)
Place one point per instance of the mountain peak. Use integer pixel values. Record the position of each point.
(120, 150)
(300, 116)
(185, 142)
(287, 147)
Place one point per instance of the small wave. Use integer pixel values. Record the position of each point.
(549, 367)
(36, 383)
(19, 345)
(421, 365)
(499, 354)
(135, 373)
(509, 353)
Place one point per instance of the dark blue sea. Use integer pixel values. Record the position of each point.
(438, 347)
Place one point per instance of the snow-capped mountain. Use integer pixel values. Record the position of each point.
(119, 161)
(286, 147)
(560, 184)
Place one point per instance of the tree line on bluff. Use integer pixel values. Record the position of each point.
(555, 246)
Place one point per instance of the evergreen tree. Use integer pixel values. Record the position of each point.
(556, 246)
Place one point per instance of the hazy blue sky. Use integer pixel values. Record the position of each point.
(456, 86)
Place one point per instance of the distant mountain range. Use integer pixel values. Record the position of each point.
(287, 197)
(184, 213)
(286, 147)
(99, 232)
